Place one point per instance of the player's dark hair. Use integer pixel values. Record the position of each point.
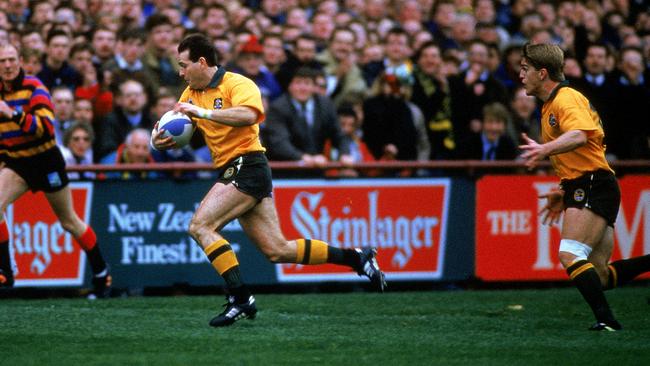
(199, 46)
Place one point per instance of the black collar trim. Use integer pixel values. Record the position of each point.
(218, 76)
(562, 84)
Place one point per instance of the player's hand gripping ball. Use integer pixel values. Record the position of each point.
(177, 125)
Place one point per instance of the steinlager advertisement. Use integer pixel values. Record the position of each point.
(44, 253)
(405, 220)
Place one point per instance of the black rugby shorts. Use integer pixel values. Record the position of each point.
(42, 172)
(597, 191)
(250, 173)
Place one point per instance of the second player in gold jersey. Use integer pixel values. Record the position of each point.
(589, 195)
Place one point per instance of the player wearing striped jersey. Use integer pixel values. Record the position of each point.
(227, 108)
(589, 194)
(31, 160)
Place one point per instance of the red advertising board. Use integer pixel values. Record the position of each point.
(406, 220)
(44, 253)
(512, 244)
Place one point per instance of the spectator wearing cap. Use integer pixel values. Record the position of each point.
(249, 62)
(300, 122)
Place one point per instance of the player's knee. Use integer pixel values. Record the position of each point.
(195, 229)
(572, 250)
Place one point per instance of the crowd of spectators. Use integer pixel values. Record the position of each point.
(342, 80)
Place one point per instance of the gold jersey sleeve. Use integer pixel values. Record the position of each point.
(226, 142)
(569, 110)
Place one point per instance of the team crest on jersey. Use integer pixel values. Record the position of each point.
(218, 103)
(229, 172)
(551, 120)
(579, 195)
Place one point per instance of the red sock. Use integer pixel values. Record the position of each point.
(88, 239)
(5, 260)
(4, 232)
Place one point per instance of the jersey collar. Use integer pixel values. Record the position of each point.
(562, 84)
(217, 77)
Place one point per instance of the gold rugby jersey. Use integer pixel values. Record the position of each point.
(567, 110)
(226, 90)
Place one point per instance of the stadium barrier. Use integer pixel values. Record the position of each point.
(425, 228)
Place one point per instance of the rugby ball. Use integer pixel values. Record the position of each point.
(177, 125)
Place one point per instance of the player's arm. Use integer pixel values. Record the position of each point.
(237, 116)
(39, 120)
(535, 152)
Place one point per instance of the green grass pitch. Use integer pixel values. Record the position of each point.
(495, 327)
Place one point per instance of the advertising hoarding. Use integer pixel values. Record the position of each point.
(405, 219)
(512, 244)
(45, 254)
